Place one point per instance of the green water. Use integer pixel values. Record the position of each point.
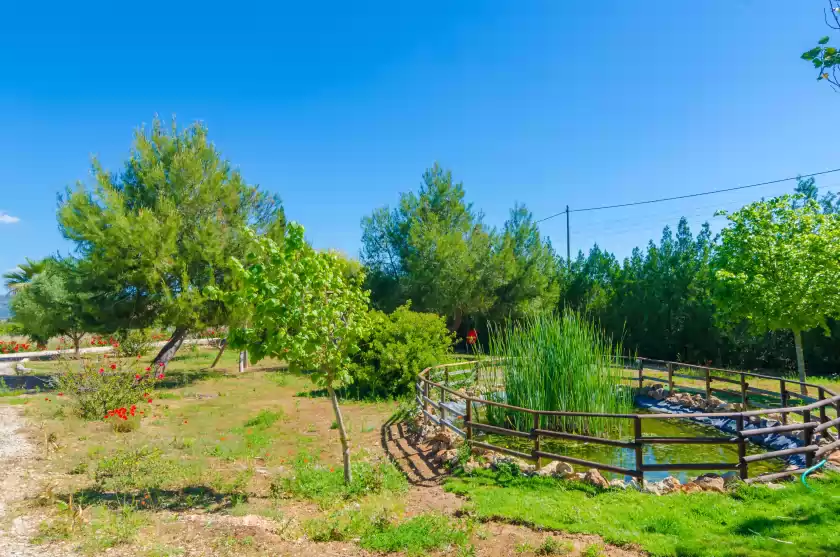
(653, 454)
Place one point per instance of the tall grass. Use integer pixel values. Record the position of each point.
(558, 362)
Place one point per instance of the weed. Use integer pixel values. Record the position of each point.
(416, 536)
(593, 550)
(552, 546)
(265, 419)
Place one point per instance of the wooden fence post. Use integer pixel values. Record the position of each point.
(468, 420)
(446, 377)
(537, 439)
(637, 428)
(425, 400)
(784, 397)
(708, 384)
(821, 396)
(641, 369)
(808, 438)
(742, 448)
(442, 407)
(744, 385)
(670, 378)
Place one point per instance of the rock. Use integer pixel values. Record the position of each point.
(652, 487)
(690, 487)
(658, 394)
(480, 451)
(670, 484)
(447, 456)
(594, 477)
(714, 401)
(771, 485)
(555, 468)
(523, 466)
(471, 466)
(731, 478)
(834, 458)
(444, 439)
(634, 484)
(710, 482)
(618, 484)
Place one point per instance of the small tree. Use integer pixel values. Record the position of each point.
(304, 308)
(52, 304)
(778, 267)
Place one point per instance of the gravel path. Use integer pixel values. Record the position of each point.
(16, 482)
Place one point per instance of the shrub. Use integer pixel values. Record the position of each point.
(134, 342)
(97, 386)
(401, 345)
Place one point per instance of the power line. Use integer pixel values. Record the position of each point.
(649, 201)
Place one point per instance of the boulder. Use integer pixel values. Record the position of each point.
(618, 484)
(443, 439)
(690, 487)
(471, 466)
(658, 394)
(710, 482)
(523, 466)
(834, 458)
(555, 468)
(633, 484)
(670, 484)
(594, 477)
(653, 488)
(447, 456)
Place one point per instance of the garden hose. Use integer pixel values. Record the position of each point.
(811, 469)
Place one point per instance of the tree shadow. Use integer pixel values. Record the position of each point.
(774, 526)
(191, 497)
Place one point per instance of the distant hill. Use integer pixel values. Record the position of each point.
(4, 306)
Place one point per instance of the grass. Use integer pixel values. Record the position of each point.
(753, 521)
(558, 362)
(325, 485)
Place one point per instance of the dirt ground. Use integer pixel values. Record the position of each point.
(25, 475)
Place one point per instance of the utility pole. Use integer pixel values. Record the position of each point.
(568, 248)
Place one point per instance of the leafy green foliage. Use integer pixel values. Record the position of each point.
(134, 342)
(777, 267)
(823, 57)
(434, 250)
(554, 362)
(53, 303)
(18, 279)
(400, 346)
(154, 236)
(416, 536)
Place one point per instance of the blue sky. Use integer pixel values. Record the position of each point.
(340, 106)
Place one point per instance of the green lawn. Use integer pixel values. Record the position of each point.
(754, 521)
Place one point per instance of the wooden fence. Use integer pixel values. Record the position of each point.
(814, 417)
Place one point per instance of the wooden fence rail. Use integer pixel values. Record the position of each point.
(438, 412)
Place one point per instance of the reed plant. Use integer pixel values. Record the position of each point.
(558, 362)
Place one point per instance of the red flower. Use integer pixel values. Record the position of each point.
(136, 376)
(148, 369)
(160, 376)
(149, 401)
(47, 399)
(185, 421)
(161, 364)
(138, 356)
(101, 371)
(60, 394)
(113, 366)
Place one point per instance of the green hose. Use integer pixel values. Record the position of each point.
(809, 470)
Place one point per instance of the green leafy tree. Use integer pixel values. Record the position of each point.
(152, 238)
(305, 308)
(435, 251)
(778, 268)
(824, 57)
(19, 278)
(53, 304)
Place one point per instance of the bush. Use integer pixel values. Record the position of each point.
(98, 386)
(134, 342)
(401, 345)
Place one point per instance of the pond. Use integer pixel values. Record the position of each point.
(653, 454)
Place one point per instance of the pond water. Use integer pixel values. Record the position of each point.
(653, 454)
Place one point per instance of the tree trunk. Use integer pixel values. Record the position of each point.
(172, 345)
(345, 444)
(219, 355)
(800, 360)
(77, 339)
(241, 361)
(457, 317)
